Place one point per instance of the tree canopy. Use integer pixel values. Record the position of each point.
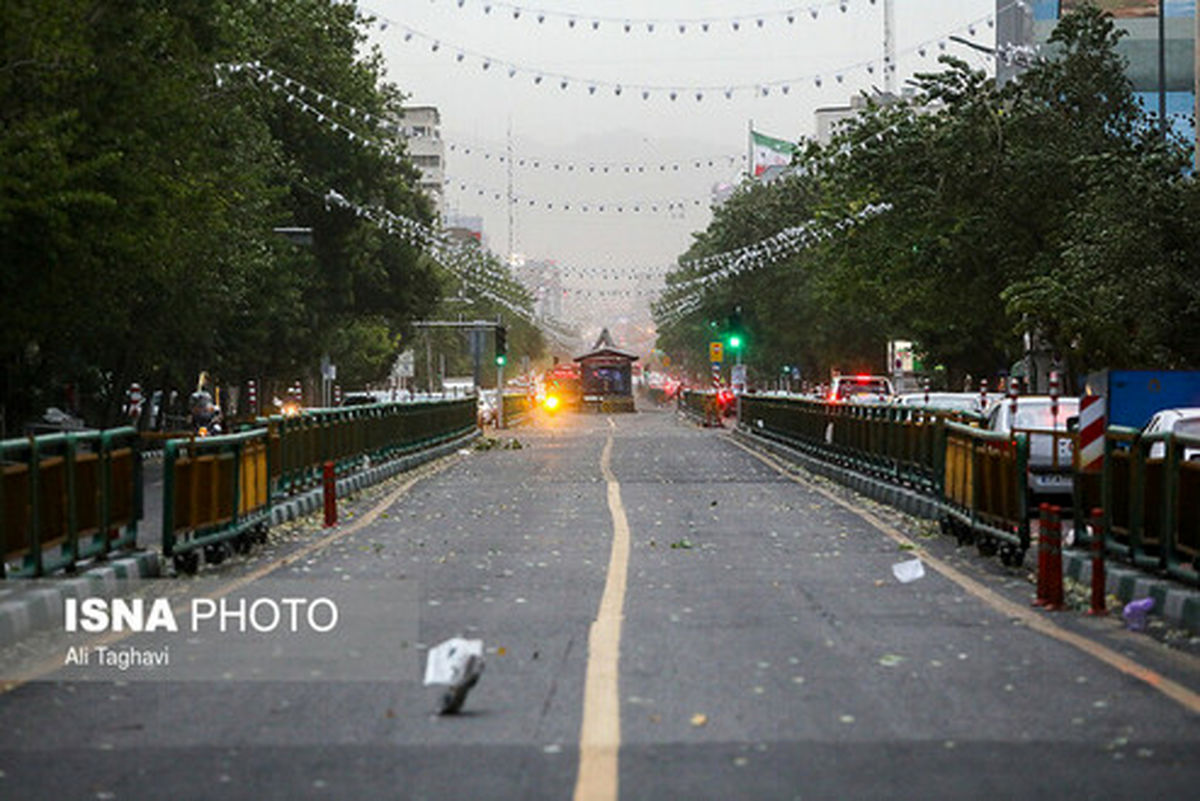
(1052, 205)
(140, 197)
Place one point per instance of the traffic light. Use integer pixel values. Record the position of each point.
(501, 346)
(735, 335)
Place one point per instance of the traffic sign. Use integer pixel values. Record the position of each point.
(716, 352)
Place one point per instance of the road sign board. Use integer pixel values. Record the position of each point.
(737, 377)
(716, 352)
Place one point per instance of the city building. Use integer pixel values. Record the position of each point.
(420, 127)
(1026, 27)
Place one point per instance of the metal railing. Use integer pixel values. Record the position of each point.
(68, 497)
(516, 406)
(1150, 501)
(975, 477)
(72, 496)
(1148, 491)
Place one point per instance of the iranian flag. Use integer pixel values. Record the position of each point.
(769, 152)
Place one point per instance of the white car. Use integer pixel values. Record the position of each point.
(1184, 421)
(1051, 446)
(967, 402)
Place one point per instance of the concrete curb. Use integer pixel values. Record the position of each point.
(24, 609)
(1176, 604)
(29, 605)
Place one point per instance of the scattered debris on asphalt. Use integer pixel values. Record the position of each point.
(699, 719)
(494, 444)
(683, 543)
(908, 571)
(458, 664)
(1135, 613)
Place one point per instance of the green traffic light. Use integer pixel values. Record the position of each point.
(735, 342)
(501, 361)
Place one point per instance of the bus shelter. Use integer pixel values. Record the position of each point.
(606, 377)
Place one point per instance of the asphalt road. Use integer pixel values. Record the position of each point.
(766, 652)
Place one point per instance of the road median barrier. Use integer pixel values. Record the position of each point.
(66, 498)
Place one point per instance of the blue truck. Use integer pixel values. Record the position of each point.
(1131, 397)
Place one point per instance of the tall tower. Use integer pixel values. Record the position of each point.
(889, 47)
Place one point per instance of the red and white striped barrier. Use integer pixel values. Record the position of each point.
(1091, 433)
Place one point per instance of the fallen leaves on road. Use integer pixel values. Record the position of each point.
(699, 720)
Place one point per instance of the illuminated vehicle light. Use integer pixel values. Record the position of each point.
(551, 402)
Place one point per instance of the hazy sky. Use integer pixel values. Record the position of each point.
(581, 128)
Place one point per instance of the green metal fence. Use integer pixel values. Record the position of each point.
(975, 477)
(218, 491)
(73, 496)
(1149, 489)
(349, 437)
(216, 496)
(67, 497)
(1150, 498)
(516, 406)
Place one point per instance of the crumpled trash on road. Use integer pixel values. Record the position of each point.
(908, 571)
(457, 663)
(1135, 613)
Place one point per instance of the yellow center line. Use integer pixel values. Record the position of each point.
(600, 733)
(51, 665)
(1183, 696)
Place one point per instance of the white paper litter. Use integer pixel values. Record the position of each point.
(908, 571)
(448, 660)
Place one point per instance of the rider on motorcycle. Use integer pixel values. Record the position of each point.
(203, 415)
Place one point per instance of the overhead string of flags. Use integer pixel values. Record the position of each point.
(749, 21)
(601, 168)
(765, 88)
(332, 113)
(686, 295)
(650, 206)
(467, 263)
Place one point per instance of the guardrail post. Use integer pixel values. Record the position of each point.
(330, 485)
(1050, 583)
(1043, 561)
(1099, 605)
(69, 465)
(170, 454)
(35, 506)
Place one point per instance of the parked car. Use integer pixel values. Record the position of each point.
(1051, 445)
(861, 389)
(1184, 421)
(961, 402)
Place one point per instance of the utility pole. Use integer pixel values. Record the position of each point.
(889, 47)
(512, 200)
(1162, 66)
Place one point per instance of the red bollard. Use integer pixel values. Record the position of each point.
(1054, 569)
(1099, 604)
(330, 487)
(1043, 555)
